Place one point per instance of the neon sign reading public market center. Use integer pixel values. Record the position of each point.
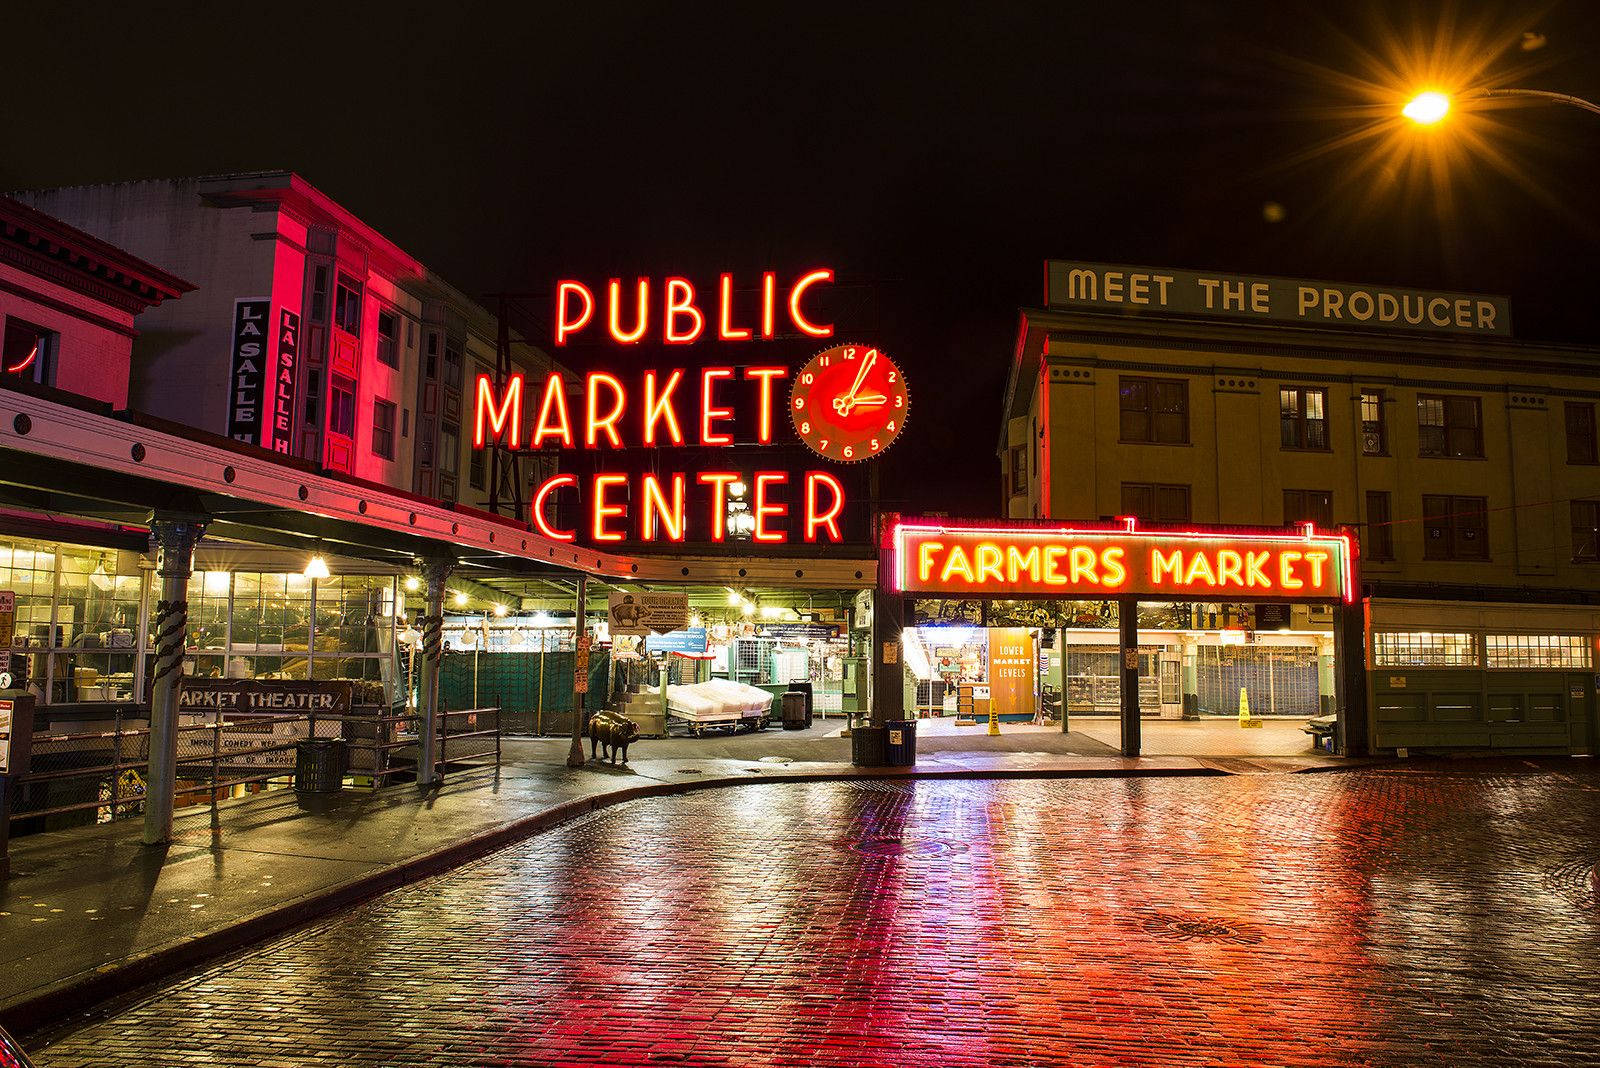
(847, 404)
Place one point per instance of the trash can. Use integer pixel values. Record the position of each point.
(794, 711)
(866, 746)
(900, 747)
(319, 766)
(805, 688)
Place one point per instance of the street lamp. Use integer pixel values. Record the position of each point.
(1430, 107)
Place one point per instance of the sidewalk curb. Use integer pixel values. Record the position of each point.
(53, 1006)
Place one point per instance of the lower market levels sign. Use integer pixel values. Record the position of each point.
(1042, 560)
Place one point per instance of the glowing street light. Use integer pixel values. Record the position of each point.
(1427, 108)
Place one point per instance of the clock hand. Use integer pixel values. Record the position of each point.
(844, 404)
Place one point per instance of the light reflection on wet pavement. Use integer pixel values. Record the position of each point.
(1442, 914)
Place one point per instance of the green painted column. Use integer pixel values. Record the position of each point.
(1191, 678)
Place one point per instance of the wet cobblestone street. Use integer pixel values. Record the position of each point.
(1439, 914)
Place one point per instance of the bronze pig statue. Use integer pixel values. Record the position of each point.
(611, 732)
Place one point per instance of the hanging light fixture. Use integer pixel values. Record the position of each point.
(317, 568)
(499, 611)
(412, 584)
(461, 600)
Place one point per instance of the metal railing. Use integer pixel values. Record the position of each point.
(104, 771)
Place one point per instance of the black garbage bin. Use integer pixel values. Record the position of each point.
(794, 711)
(866, 746)
(900, 747)
(319, 765)
(805, 688)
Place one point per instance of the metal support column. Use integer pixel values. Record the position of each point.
(435, 573)
(1128, 633)
(888, 662)
(1350, 678)
(1191, 678)
(173, 537)
(580, 676)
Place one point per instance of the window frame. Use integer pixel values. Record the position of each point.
(46, 344)
(390, 341)
(383, 428)
(1019, 469)
(347, 297)
(1591, 531)
(1297, 417)
(1448, 429)
(1589, 455)
(1151, 409)
(1379, 545)
(1304, 497)
(1156, 490)
(339, 386)
(1374, 432)
(1456, 508)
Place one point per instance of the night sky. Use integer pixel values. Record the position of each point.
(934, 157)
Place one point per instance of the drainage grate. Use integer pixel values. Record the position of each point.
(1176, 928)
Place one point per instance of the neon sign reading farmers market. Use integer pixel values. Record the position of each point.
(1051, 561)
(848, 403)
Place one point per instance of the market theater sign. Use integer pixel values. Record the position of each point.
(847, 404)
(1046, 561)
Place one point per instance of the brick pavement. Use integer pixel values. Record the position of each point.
(1422, 914)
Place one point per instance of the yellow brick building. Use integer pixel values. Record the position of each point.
(1466, 461)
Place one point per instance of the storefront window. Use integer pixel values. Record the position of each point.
(1425, 649)
(271, 625)
(1537, 651)
(97, 620)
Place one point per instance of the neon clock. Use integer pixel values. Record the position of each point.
(849, 403)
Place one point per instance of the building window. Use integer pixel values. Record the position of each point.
(476, 468)
(1585, 531)
(1308, 506)
(1379, 543)
(1374, 434)
(314, 399)
(1537, 651)
(450, 449)
(388, 338)
(1019, 469)
(319, 294)
(383, 429)
(1425, 649)
(1580, 434)
(405, 422)
(347, 306)
(1156, 502)
(342, 406)
(452, 364)
(1449, 426)
(1303, 417)
(29, 352)
(1155, 410)
(1455, 528)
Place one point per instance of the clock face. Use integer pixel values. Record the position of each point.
(849, 403)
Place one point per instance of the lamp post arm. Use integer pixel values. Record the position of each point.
(1543, 94)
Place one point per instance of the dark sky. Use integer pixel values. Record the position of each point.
(936, 156)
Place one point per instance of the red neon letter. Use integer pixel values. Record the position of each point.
(765, 375)
(604, 511)
(718, 481)
(820, 520)
(592, 424)
(661, 407)
(641, 322)
(763, 509)
(680, 301)
(538, 508)
(725, 328)
(800, 321)
(769, 297)
(509, 413)
(555, 396)
(656, 504)
(709, 412)
(564, 324)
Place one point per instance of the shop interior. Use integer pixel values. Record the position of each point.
(1055, 664)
